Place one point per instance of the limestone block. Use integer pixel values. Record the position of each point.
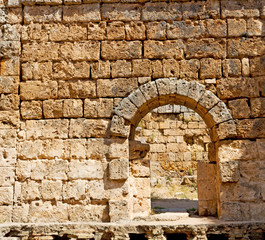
(229, 171)
(73, 108)
(164, 49)
(46, 129)
(185, 29)
(196, 91)
(47, 212)
(81, 13)
(246, 47)
(23, 169)
(59, 32)
(215, 48)
(232, 68)
(36, 71)
(8, 157)
(115, 50)
(118, 127)
(210, 68)
(121, 12)
(38, 90)
(118, 87)
(102, 107)
(119, 169)
(100, 69)
(118, 149)
(161, 11)
(20, 213)
(9, 84)
(149, 90)
(207, 208)
(137, 98)
(88, 213)
(157, 69)
(141, 188)
(96, 189)
(262, 86)
(135, 31)
(78, 51)
(254, 27)
(163, 85)
(10, 67)
(7, 138)
(239, 108)
(10, 48)
(97, 148)
(7, 177)
(9, 102)
(156, 30)
(51, 190)
(13, 16)
(220, 113)
(189, 68)
(236, 27)
(97, 31)
(6, 213)
(138, 149)
(53, 108)
(74, 190)
(251, 128)
(216, 27)
(55, 148)
(245, 67)
(126, 109)
(30, 190)
(257, 66)
(118, 210)
(43, 51)
(31, 109)
(141, 68)
(170, 68)
(250, 172)
(121, 68)
(77, 148)
(35, 31)
(140, 168)
(77, 89)
(237, 150)
(115, 31)
(226, 130)
(158, 148)
(9, 119)
(256, 211)
(82, 128)
(85, 169)
(261, 148)
(69, 70)
(237, 87)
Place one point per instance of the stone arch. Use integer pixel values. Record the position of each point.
(193, 95)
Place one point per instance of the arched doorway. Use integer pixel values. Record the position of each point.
(181, 92)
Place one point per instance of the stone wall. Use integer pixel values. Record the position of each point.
(66, 64)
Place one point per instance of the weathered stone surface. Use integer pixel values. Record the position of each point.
(257, 66)
(9, 102)
(220, 113)
(236, 27)
(94, 108)
(232, 68)
(170, 68)
(100, 70)
(73, 108)
(6, 195)
(156, 30)
(119, 169)
(36, 14)
(135, 31)
(53, 108)
(216, 28)
(118, 127)
(35, 31)
(7, 176)
(31, 110)
(141, 68)
(239, 108)
(37, 71)
(118, 210)
(51, 190)
(121, 68)
(210, 68)
(229, 171)
(74, 190)
(189, 68)
(126, 109)
(115, 31)
(9, 84)
(96, 31)
(251, 128)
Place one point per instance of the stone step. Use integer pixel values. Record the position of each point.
(169, 216)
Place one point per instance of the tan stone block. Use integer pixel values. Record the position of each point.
(35, 31)
(73, 108)
(83, 128)
(121, 12)
(236, 27)
(35, 14)
(43, 51)
(249, 173)
(53, 108)
(232, 67)
(254, 27)
(121, 68)
(74, 190)
(7, 177)
(210, 68)
(229, 171)
(257, 66)
(10, 67)
(102, 107)
(118, 149)
(59, 32)
(161, 11)
(164, 49)
(7, 138)
(140, 189)
(135, 31)
(56, 148)
(262, 86)
(216, 27)
(31, 109)
(170, 68)
(245, 67)
(47, 212)
(119, 169)
(141, 68)
(78, 51)
(118, 127)
(226, 130)
(245, 47)
(96, 31)
(51, 190)
(30, 190)
(115, 50)
(115, 31)
(86, 169)
(36, 71)
(30, 149)
(261, 148)
(20, 213)
(140, 168)
(9, 84)
(118, 87)
(100, 69)
(189, 68)
(77, 89)
(215, 48)
(46, 129)
(118, 210)
(251, 128)
(69, 70)
(8, 157)
(88, 213)
(156, 30)
(9, 102)
(228, 88)
(97, 148)
(6, 213)
(239, 108)
(185, 29)
(81, 13)
(77, 148)
(38, 90)
(23, 170)
(237, 150)
(56, 170)
(157, 69)
(149, 90)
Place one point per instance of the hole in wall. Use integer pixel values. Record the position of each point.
(135, 236)
(217, 237)
(176, 236)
